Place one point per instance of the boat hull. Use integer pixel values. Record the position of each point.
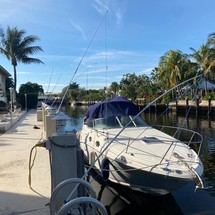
(140, 180)
(144, 181)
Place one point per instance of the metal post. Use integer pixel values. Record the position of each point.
(26, 102)
(209, 105)
(187, 103)
(197, 104)
(11, 105)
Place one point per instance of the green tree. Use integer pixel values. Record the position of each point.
(128, 86)
(211, 44)
(18, 48)
(171, 67)
(31, 88)
(205, 59)
(1, 32)
(143, 86)
(71, 91)
(211, 39)
(9, 83)
(114, 88)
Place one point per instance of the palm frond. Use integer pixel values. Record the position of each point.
(29, 60)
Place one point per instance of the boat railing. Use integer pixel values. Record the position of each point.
(187, 136)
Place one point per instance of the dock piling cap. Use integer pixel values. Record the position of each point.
(51, 110)
(44, 105)
(61, 117)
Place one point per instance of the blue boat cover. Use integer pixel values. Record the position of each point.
(118, 106)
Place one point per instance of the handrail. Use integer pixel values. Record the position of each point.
(188, 143)
(200, 141)
(184, 129)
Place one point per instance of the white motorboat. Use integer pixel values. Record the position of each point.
(126, 150)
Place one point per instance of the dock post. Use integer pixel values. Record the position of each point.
(187, 103)
(155, 107)
(176, 105)
(209, 105)
(66, 158)
(197, 104)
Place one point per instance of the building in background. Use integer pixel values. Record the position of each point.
(4, 74)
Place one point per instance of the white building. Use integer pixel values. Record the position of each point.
(4, 74)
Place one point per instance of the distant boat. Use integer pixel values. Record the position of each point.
(77, 103)
(132, 153)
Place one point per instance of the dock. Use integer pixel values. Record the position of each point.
(16, 197)
(10, 120)
(178, 106)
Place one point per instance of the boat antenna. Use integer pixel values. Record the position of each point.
(54, 89)
(49, 85)
(49, 81)
(85, 52)
(106, 63)
(56, 83)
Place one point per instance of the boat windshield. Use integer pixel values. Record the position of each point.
(118, 122)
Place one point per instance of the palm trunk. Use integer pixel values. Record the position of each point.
(14, 69)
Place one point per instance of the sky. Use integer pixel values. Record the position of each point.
(96, 42)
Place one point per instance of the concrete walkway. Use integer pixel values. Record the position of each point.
(15, 195)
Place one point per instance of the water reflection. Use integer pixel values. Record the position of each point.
(77, 114)
(121, 200)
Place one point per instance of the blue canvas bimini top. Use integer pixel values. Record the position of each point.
(118, 106)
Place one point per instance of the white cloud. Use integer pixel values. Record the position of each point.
(32, 73)
(98, 85)
(119, 15)
(79, 28)
(101, 6)
(54, 84)
(23, 73)
(116, 9)
(56, 57)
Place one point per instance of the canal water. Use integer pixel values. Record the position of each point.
(121, 200)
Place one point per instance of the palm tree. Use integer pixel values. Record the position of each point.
(205, 58)
(114, 88)
(18, 48)
(31, 88)
(1, 32)
(128, 86)
(171, 67)
(211, 39)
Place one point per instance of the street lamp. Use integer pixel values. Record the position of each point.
(11, 104)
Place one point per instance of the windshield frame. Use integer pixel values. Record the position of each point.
(116, 122)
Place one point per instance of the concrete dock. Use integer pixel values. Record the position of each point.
(16, 197)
